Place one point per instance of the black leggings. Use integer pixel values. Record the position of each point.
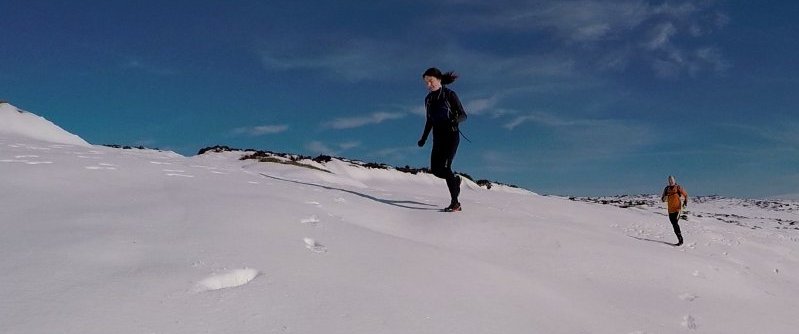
(674, 217)
(445, 145)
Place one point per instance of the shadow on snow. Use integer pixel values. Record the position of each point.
(402, 204)
(652, 240)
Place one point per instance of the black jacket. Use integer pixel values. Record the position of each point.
(444, 112)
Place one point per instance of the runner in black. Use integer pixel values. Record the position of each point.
(444, 114)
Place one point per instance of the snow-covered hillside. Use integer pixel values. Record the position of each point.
(749, 213)
(103, 240)
(19, 123)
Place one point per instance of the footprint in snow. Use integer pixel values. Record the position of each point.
(212, 170)
(315, 246)
(34, 147)
(27, 162)
(313, 220)
(179, 175)
(101, 167)
(688, 297)
(230, 279)
(689, 322)
(173, 171)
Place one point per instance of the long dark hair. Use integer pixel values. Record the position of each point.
(446, 78)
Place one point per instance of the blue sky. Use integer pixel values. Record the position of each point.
(581, 97)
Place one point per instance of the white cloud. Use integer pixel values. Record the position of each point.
(661, 36)
(418, 110)
(355, 122)
(352, 59)
(349, 145)
(489, 106)
(519, 121)
(671, 63)
(576, 36)
(597, 137)
(571, 21)
(395, 153)
(498, 162)
(139, 65)
(543, 119)
(480, 106)
(593, 32)
(683, 10)
(319, 147)
(260, 130)
(714, 58)
(611, 34)
(666, 69)
(783, 135)
(721, 20)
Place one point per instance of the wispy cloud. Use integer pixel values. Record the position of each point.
(783, 135)
(547, 120)
(261, 130)
(598, 138)
(418, 110)
(140, 65)
(357, 59)
(395, 153)
(488, 106)
(502, 162)
(611, 34)
(481, 106)
(660, 36)
(355, 122)
(353, 59)
(570, 21)
(349, 145)
(319, 147)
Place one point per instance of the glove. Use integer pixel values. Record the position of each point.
(421, 142)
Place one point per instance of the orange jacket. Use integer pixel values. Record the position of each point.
(672, 195)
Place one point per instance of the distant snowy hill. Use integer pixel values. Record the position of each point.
(97, 239)
(27, 125)
(750, 213)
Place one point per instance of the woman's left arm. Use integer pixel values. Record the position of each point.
(457, 107)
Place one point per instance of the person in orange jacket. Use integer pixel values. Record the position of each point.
(671, 195)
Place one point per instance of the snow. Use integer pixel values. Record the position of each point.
(103, 240)
(17, 122)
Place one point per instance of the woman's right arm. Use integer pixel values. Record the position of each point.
(427, 127)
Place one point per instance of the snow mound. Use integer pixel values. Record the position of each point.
(22, 123)
(231, 279)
